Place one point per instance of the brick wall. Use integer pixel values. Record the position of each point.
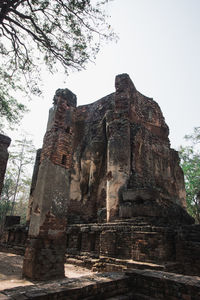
(140, 243)
(188, 249)
(143, 244)
(149, 285)
(58, 143)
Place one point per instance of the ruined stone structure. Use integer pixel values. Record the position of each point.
(108, 163)
(4, 144)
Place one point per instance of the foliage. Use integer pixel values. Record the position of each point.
(190, 163)
(5, 203)
(36, 32)
(21, 203)
(15, 193)
(194, 137)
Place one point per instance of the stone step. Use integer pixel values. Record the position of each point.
(131, 296)
(129, 263)
(122, 263)
(19, 250)
(82, 261)
(142, 297)
(128, 296)
(109, 264)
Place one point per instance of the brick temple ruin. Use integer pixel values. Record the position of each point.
(107, 190)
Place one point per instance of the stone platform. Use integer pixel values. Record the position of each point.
(122, 245)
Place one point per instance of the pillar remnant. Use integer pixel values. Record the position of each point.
(4, 144)
(45, 251)
(119, 145)
(33, 184)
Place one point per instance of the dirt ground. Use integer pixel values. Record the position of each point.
(11, 270)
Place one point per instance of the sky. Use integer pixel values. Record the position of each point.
(158, 46)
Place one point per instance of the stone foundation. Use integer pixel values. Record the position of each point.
(175, 249)
(122, 240)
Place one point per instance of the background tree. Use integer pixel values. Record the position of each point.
(190, 163)
(15, 193)
(5, 203)
(21, 157)
(35, 32)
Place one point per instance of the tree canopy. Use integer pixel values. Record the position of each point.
(190, 163)
(35, 32)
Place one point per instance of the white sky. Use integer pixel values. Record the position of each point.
(159, 47)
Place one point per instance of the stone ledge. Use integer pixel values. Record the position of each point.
(95, 287)
(140, 284)
(164, 285)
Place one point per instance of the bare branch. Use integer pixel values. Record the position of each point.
(68, 32)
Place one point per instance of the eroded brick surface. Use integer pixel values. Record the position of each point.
(122, 161)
